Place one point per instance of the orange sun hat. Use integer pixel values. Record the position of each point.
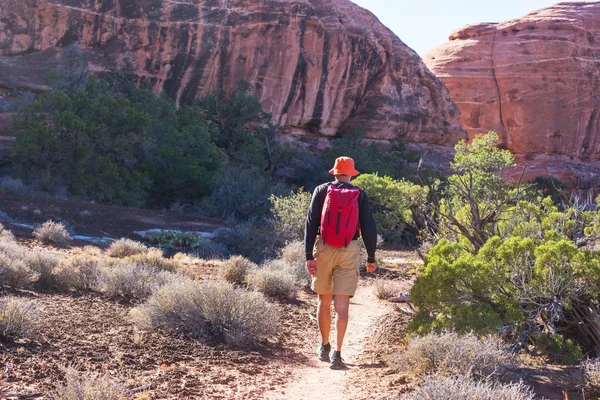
(344, 166)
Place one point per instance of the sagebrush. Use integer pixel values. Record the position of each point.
(126, 248)
(209, 311)
(19, 318)
(464, 388)
(235, 269)
(273, 282)
(448, 354)
(89, 386)
(52, 232)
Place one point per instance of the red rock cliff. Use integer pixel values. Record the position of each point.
(318, 66)
(534, 80)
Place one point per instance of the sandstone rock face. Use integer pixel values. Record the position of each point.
(534, 80)
(319, 66)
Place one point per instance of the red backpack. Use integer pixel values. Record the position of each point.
(339, 219)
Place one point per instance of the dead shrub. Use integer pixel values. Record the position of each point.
(126, 248)
(15, 273)
(590, 370)
(448, 354)
(19, 318)
(385, 289)
(80, 272)
(277, 283)
(44, 264)
(134, 282)
(53, 233)
(235, 269)
(89, 386)
(464, 388)
(209, 311)
(153, 258)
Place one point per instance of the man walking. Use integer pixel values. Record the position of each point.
(339, 214)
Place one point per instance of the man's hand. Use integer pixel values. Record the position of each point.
(371, 267)
(311, 267)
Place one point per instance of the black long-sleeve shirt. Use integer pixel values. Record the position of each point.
(368, 230)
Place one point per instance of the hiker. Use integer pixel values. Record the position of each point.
(339, 214)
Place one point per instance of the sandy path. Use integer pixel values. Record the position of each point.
(316, 380)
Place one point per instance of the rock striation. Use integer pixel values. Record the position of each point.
(317, 66)
(534, 80)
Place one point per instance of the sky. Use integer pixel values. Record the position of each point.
(425, 24)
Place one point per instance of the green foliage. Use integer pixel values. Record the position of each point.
(119, 147)
(476, 195)
(289, 213)
(175, 240)
(394, 204)
(563, 350)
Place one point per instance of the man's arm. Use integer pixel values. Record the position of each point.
(368, 229)
(313, 220)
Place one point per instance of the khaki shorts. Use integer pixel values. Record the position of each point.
(337, 268)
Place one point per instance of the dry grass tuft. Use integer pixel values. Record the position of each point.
(274, 280)
(449, 354)
(235, 270)
(53, 233)
(385, 289)
(15, 272)
(153, 258)
(18, 319)
(126, 248)
(44, 264)
(464, 388)
(80, 272)
(209, 311)
(89, 386)
(131, 281)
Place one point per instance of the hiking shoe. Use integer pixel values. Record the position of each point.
(323, 352)
(337, 362)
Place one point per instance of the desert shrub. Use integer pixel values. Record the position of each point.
(297, 271)
(240, 194)
(209, 311)
(52, 232)
(76, 138)
(290, 213)
(79, 272)
(449, 354)
(126, 248)
(560, 349)
(253, 240)
(6, 235)
(134, 282)
(12, 186)
(590, 370)
(15, 272)
(293, 253)
(273, 282)
(19, 318)
(385, 289)
(89, 386)
(175, 240)
(44, 264)
(399, 207)
(153, 258)
(463, 388)
(235, 269)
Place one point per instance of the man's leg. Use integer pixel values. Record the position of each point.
(324, 316)
(341, 304)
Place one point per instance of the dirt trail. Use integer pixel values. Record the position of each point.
(316, 380)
